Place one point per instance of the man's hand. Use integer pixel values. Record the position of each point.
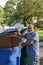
(18, 32)
(26, 43)
(14, 50)
(20, 45)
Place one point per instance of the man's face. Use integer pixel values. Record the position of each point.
(31, 29)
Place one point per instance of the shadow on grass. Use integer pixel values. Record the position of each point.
(41, 46)
(41, 61)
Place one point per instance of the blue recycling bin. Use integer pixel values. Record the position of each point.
(15, 57)
(7, 57)
(9, 31)
(4, 55)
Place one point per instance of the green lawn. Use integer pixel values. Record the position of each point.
(41, 46)
(40, 35)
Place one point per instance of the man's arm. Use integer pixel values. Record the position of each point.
(19, 34)
(28, 43)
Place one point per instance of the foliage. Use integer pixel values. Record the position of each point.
(9, 11)
(40, 35)
(26, 9)
(39, 24)
(1, 14)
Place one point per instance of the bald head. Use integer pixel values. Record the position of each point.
(31, 25)
(31, 28)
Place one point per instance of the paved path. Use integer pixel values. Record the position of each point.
(41, 43)
(41, 50)
(41, 54)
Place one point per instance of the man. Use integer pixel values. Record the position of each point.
(32, 46)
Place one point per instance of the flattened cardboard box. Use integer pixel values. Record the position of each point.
(9, 40)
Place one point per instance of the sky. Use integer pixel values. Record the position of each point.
(3, 2)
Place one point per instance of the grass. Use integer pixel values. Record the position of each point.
(41, 46)
(40, 35)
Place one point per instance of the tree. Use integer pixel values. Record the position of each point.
(1, 14)
(9, 12)
(26, 9)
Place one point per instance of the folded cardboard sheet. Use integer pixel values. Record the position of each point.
(9, 40)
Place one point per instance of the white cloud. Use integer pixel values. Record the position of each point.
(3, 2)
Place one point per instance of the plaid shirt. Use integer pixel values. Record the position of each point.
(33, 60)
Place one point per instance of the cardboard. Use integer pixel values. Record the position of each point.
(5, 41)
(15, 41)
(9, 40)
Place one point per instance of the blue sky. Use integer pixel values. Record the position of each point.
(3, 2)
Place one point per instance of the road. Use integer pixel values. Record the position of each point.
(41, 54)
(41, 50)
